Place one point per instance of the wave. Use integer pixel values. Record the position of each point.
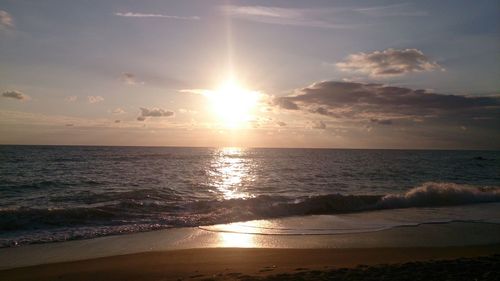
(125, 213)
(429, 194)
(441, 194)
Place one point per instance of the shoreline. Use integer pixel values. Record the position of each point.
(197, 254)
(422, 236)
(237, 263)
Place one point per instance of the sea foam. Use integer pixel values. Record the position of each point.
(440, 194)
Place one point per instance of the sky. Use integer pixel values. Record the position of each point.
(326, 74)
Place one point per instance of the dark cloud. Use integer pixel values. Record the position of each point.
(286, 104)
(358, 100)
(403, 116)
(154, 112)
(381, 121)
(389, 62)
(15, 95)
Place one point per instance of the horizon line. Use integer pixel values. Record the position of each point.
(256, 147)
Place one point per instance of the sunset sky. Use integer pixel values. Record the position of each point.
(338, 74)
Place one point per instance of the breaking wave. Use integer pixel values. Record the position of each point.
(441, 194)
(126, 216)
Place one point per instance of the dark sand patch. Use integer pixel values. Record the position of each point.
(476, 262)
(479, 268)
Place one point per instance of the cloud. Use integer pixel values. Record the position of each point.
(284, 16)
(118, 110)
(394, 10)
(154, 112)
(145, 15)
(15, 95)
(285, 103)
(130, 79)
(382, 104)
(389, 62)
(281, 123)
(332, 17)
(71, 98)
(187, 111)
(318, 125)
(381, 121)
(6, 20)
(95, 99)
(378, 115)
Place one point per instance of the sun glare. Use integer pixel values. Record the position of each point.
(233, 104)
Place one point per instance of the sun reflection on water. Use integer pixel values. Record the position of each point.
(230, 175)
(229, 171)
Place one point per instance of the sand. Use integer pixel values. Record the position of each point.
(271, 264)
(439, 251)
(432, 235)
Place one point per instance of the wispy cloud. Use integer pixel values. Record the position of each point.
(146, 15)
(15, 95)
(284, 16)
(333, 17)
(395, 10)
(390, 62)
(6, 20)
(38, 119)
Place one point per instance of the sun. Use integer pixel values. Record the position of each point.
(233, 104)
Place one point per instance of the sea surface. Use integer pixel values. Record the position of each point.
(58, 193)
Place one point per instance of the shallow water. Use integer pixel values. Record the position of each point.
(55, 193)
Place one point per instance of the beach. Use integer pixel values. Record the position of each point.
(456, 249)
(249, 140)
(248, 264)
(87, 213)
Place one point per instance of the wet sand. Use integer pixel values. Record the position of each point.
(450, 249)
(275, 264)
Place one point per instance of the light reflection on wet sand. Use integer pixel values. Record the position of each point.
(243, 234)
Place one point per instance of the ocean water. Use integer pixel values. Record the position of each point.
(57, 193)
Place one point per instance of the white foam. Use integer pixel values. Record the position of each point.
(441, 194)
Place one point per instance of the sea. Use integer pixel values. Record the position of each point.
(59, 193)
